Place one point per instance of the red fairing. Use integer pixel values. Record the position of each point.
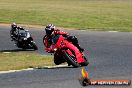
(61, 46)
(79, 56)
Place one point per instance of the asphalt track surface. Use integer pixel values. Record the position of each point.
(109, 54)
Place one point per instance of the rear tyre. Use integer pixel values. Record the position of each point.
(71, 59)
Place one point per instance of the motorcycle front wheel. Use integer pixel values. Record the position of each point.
(34, 46)
(71, 59)
(85, 63)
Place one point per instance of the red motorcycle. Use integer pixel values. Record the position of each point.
(65, 51)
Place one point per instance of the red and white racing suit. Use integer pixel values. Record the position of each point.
(47, 39)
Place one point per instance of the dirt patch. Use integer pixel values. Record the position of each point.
(34, 26)
(23, 25)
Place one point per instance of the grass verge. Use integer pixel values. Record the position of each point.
(106, 15)
(22, 60)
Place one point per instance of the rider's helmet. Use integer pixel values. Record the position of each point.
(49, 29)
(13, 25)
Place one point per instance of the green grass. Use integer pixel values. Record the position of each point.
(19, 60)
(80, 14)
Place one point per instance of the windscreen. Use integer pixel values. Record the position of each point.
(22, 33)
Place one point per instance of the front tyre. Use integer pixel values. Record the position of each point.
(71, 59)
(34, 46)
(85, 63)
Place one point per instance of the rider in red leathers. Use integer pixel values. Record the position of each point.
(47, 40)
(51, 31)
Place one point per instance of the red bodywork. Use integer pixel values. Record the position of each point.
(61, 45)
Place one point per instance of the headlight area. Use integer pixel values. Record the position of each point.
(55, 49)
(25, 39)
